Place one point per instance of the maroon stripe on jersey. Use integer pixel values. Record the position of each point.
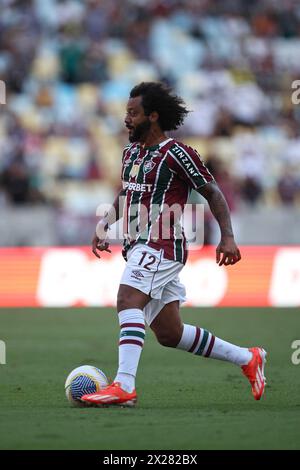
(131, 341)
(132, 325)
(198, 331)
(211, 345)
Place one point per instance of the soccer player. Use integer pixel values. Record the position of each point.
(158, 172)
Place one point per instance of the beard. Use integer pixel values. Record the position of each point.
(140, 131)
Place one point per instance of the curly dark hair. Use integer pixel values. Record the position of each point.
(158, 97)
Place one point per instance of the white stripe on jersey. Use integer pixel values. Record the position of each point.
(174, 242)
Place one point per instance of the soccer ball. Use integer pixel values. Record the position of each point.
(84, 380)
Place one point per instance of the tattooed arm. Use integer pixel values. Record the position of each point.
(220, 210)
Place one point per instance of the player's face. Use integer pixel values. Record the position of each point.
(137, 123)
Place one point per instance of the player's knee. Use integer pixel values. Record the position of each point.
(123, 301)
(169, 339)
(130, 298)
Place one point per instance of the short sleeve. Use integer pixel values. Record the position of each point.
(188, 165)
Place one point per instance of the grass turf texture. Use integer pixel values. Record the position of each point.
(185, 402)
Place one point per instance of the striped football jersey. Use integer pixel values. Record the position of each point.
(158, 181)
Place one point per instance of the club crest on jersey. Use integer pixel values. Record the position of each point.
(134, 171)
(148, 166)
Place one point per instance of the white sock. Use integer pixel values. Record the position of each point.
(203, 343)
(230, 352)
(131, 343)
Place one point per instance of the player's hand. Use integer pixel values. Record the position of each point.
(99, 245)
(227, 252)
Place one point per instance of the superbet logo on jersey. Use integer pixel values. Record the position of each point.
(142, 187)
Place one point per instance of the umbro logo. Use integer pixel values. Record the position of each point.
(137, 275)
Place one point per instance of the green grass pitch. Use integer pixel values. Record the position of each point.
(185, 402)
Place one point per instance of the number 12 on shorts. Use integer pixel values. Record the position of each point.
(147, 263)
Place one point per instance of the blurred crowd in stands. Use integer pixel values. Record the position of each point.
(69, 65)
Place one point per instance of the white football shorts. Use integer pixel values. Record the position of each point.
(148, 271)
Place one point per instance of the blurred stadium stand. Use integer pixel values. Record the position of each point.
(68, 67)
